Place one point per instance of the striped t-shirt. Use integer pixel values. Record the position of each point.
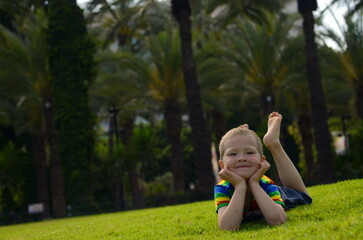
(223, 192)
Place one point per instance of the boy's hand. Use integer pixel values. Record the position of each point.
(255, 178)
(230, 176)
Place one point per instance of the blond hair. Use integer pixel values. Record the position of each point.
(243, 131)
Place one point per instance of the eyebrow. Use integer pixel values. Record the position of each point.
(244, 148)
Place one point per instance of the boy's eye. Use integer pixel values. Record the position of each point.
(231, 154)
(250, 152)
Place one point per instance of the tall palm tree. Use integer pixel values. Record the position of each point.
(164, 80)
(263, 53)
(157, 81)
(111, 88)
(167, 85)
(339, 90)
(294, 95)
(201, 137)
(317, 100)
(351, 47)
(221, 84)
(24, 62)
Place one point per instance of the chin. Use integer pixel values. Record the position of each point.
(245, 176)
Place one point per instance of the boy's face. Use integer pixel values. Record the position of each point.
(241, 155)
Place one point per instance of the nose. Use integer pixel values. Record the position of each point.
(242, 158)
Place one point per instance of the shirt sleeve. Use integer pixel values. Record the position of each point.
(271, 189)
(222, 196)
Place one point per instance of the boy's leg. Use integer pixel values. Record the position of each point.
(287, 171)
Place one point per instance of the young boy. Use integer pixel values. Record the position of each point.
(245, 193)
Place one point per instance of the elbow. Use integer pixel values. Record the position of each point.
(277, 220)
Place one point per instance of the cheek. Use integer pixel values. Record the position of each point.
(256, 161)
(228, 160)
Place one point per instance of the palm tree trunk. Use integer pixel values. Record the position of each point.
(39, 158)
(304, 124)
(173, 122)
(319, 112)
(219, 122)
(134, 171)
(56, 172)
(267, 104)
(126, 129)
(200, 133)
(114, 183)
(136, 192)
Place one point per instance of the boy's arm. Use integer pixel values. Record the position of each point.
(230, 217)
(273, 212)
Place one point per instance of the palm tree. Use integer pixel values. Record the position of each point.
(294, 95)
(113, 88)
(24, 61)
(15, 11)
(262, 53)
(351, 47)
(219, 84)
(354, 6)
(157, 85)
(164, 80)
(252, 10)
(167, 85)
(126, 22)
(339, 90)
(317, 100)
(201, 138)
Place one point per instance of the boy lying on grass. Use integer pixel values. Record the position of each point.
(245, 193)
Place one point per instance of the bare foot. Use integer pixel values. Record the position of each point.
(272, 137)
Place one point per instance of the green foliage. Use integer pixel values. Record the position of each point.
(161, 186)
(326, 218)
(189, 157)
(142, 148)
(71, 66)
(293, 130)
(15, 177)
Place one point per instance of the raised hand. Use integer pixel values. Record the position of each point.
(230, 176)
(264, 166)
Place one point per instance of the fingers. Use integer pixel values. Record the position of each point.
(226, 171)
(264, 165)
(230, 176)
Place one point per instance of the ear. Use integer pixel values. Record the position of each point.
(221, 165)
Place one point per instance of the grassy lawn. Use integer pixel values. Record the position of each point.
(336, 213)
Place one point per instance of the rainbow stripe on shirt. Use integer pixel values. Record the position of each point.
(223, 192)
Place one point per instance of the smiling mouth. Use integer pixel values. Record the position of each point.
(243, 167)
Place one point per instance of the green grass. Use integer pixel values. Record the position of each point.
(336, 213)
